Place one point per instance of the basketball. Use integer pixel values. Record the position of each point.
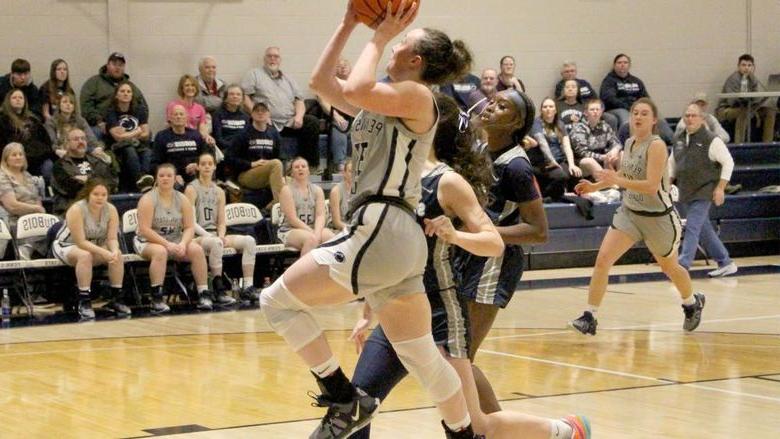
(372, 12)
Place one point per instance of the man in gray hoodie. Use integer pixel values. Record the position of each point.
(744, 80)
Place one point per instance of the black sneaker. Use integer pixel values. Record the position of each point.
(145, 181)
(466, 433)
(204, 300)
(159, 306)
(585, 324)
(222, 299)
(249, 294)
(693, 312)
(343, 419)
(85, 310)
(118, 307)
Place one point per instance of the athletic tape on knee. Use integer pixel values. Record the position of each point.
(288, 316)
(248, 250)
(423, 360)
(215, 249)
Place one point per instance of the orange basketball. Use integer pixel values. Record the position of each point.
(372, 12)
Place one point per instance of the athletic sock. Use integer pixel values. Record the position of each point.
(157, 290)
(330, 366)
(560, 429)
(690, 300)
(593, 310)
(202, 288)
(336, 386)
(248, 282)
(84, 294)
(459, 425)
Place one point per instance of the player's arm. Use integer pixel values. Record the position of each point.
(221, 216)
(335, 209)
(656, 164)
(319, 210)
(187, 222)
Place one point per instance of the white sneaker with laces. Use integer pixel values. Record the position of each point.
(724, 270)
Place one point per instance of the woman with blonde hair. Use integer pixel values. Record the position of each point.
(197, 118)
(303, 210)
(20, 194)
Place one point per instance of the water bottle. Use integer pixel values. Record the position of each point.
(6, 306)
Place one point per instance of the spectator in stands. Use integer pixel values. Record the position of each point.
(52, 90)
(570, 105)
(569, 73)
(88, 238)
(212, 89)
(507, 79)
(339, 199)
(710, 121)
(19, 124)
(339, 135)
(254, 154)
(166, 226)
(75, 168)
(231, 119)
(741, 81)
(461, 89)
(701, 175)
(66, 118)
(282, 96)
(479, 99)
(128, 128)
(20, 78)
(20, 194)
(303, 211)
(620, 89)
(552, 156)
(594, 143)
(97, 94)
(197, 118)
(211, 226)
(179, 145)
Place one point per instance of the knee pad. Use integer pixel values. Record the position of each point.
(248, 250)
(288, 316)
(422, 359)
(214, 248)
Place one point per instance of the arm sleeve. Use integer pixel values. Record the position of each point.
(559, 89)
(88, 105)
(235, 153)
(672, 165)
(608, 94)
(158, 150)
(718, 152)
(248, 83)
(276, 152)
(63, 182)
(717, 128)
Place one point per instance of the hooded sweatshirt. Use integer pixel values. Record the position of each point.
(96, 95)
(617, 92)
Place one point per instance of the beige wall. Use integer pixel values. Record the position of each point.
(678, 47)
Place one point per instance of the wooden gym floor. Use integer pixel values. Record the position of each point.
(224, 374)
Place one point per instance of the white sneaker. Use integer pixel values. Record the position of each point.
(612, 195)
(596, 197)
(723, 271)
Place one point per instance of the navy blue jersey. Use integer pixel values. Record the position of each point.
(493, 281)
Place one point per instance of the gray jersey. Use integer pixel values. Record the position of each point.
(344, 199)
(387, 158)
(95, 230)
(206, 205)
(305, 207)
(167, 221)
(634, 167)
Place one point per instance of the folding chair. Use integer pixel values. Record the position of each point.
(7, 279)
(33, 225)
(129, 229)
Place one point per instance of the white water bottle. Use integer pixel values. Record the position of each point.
(6, 305)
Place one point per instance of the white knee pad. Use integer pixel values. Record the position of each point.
(246, 244)
(423, 360)
(288, 316)
(214, 248)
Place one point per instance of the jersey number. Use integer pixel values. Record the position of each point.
(208, 214)
(361, 149)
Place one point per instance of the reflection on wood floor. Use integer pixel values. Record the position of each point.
(227, 375)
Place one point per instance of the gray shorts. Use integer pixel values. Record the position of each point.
(661, 234)
(381, 255)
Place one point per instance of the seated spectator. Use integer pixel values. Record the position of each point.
(212, 89)
(620, 89)
(282, 96)
(75, 168)
(339, 199)
(20, 194)
(701, 175)
(461, 89)
(568, 73)
(594, 143)
(19, 124)
(196, 114)
(166, 227)
(303, 211)
(211, 226)
(552, 157)
(57, 86)
(88, 238)
(710, 121)
(570, 105)
(97, 94)
(507, 79)
(254, 155)
(67, 117)
(339, 135)
(180, 146)
(479, 99)
(128, 129)
(744, 80)
(20, 78)
(231, 119)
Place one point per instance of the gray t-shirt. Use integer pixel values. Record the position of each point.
(278, 93)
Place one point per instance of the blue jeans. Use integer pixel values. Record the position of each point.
(378, 370)
(338, 145)
(135, 163)
(699, 229)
